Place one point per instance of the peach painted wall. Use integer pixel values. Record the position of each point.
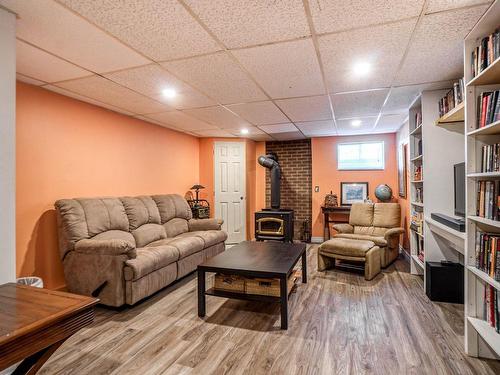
(402, 138)
(327, 177)
(67, 148)
(255, 182)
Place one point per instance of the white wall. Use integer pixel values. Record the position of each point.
(7, 146)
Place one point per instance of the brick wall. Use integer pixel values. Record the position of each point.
(296, 179)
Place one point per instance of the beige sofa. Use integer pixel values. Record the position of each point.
(122, 250)
(376, 222)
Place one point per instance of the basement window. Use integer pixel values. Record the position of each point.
(360, 156)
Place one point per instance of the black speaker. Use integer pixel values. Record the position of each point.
(444, 282)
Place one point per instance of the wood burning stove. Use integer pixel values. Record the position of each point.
(271, 224)
(274, 223)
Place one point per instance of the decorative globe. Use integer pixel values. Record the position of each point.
(383, 193)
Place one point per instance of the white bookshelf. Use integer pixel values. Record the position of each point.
(480, 338)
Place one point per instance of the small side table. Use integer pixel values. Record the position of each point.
(34, 322)
(340, 210)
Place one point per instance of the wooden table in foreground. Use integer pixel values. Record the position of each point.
(255, 259)
(35, 322)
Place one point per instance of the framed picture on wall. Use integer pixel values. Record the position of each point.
(402, 169)
(353, 192)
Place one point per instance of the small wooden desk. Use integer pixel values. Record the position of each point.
(341, 210)
(34, 322)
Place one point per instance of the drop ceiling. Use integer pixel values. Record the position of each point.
(280, 69)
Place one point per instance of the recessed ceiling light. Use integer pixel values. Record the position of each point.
(362, 68)
(355, 122)
(169, 93)
(244, 131)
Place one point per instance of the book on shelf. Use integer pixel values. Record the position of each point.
(452, 98)
(418, 119)
(485, 53)
(419, 195)
(417, 173)
(417, 221)
(420, 249)
(488, 199)
(488, 108)
(488, 254)
(491, 307)
(490, 158)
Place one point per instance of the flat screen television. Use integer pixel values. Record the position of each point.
(459, 173)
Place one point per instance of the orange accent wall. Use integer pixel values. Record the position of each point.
(255, 181)
(67, 148)
(327, 177)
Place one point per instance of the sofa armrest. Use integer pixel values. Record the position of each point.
(106, 247)
(343, 228)
(204, 224)
(393, 232)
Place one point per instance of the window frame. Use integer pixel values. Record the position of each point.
(339, 168)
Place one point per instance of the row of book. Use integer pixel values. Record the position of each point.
(488, 254)
(418, 119)
(488, 199)
(488, 108)
(453, 98)
(490, 158)
(416, 221)
(486, 53)
(491, 307)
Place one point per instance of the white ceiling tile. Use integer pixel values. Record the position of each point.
(147, 119)
(29, 80)
(364, 103)
(219, 133)
(52, 27)
(259, 113)
(391, 123)
(151, 80)
(181, 121)
(401, 97)
(382, 47)
(286, 69)
(279, 128)
(218, 116)
(261, 138)
(440, 5)
(252, 130)
(345, 127)
(41, 65)
(219, 76)
(239, 23)
(336, 15)
(317, 128)
(288, 136)
(108, 92)
(436, 52)
(310, 108)
(161, 29)
(82, 98)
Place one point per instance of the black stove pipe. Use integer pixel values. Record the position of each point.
(271, 162)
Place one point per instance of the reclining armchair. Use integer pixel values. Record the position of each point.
(376, 222)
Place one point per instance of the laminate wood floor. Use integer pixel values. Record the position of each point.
(339, 324)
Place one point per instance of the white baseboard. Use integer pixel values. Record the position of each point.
(317, 240)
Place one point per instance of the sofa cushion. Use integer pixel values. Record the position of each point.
(346, 247)
(140, 210)
(379, 241)
(172, 206)
(370, 231)
(187, 245)
(209, 237)
(176, 226)
(148, 233)
(115, 235)
(387, 215)
(361, 214)
(148, 260)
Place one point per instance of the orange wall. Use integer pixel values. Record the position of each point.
(67, 148)
(255, 181)
(327, 177)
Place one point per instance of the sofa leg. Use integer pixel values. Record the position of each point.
(325, 262)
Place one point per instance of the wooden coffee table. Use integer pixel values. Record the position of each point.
(254, 259)
(35, 322)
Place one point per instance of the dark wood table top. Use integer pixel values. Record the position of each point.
(339, 209)
(34, 322)
(270, 259)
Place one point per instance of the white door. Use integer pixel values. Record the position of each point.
(230, 194)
